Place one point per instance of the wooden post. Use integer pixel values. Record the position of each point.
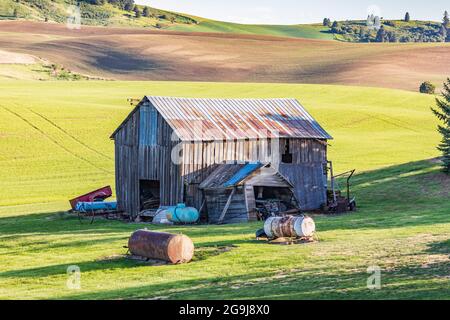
(224, 212)
(332, 181)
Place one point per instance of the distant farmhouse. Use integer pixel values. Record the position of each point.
(220, 156)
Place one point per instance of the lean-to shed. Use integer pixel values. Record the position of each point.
(173, 150)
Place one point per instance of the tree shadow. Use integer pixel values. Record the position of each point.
(412, 194)
(296, 285)
(442, 247)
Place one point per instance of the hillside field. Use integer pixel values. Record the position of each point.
(54, 144)
(143, 54)
(112, 16)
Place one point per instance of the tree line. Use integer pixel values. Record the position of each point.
(375, 29)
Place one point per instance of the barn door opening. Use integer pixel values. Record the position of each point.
(149, 194)
(273, 201)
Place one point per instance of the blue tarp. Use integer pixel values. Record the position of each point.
(243, 173)
(95, 206)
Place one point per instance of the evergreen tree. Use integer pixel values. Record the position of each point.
(443, 33)
(446, 20)
(381, 35)
(442, 112)
(146, 12)
(137, 12)
(128, 5)
(407, 17)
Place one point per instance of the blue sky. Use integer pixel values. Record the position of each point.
(302, 11)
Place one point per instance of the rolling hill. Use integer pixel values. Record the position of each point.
(114, 16)
(142, 54)
(123, 13)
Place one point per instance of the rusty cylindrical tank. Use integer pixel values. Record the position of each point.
(289, 227)
(174, 248)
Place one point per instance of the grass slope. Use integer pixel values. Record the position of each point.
(402, 227)
(103, 15)
(313, 31)
(54, 146)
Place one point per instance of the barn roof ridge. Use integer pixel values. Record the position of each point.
(235, 118)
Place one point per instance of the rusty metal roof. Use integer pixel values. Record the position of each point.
(212, 119)
(195, 119)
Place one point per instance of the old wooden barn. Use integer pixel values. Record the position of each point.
(220, 156)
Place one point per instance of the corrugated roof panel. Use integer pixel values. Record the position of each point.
(213, 119)
(243, 173)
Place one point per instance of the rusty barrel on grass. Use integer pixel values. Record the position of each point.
(174, 248)
(289, 227)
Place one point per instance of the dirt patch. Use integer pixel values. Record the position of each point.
(16, 58)
(208, 252)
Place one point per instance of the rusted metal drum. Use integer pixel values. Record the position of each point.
(289, 227)
(174, 248)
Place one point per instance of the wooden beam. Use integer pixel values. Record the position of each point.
(203, 205)
(224, 212)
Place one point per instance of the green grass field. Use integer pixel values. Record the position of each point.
(313, 31)
(54, 144)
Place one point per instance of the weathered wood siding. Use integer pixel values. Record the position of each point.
(126, 153)
(144, 146)
(309, 183)
(143, 149)
(155, 161)
(216, 201)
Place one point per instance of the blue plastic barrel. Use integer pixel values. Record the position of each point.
(182, 214)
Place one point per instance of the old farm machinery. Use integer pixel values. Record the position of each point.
(339, 201)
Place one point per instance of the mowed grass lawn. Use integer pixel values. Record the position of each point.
(54, 144)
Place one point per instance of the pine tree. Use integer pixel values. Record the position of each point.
(146, 12)
(442, 112)
(446, 20)
(407, 17)
(381, 35)
(137, 12)
(443, 33)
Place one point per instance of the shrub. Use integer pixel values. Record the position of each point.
(427, 88)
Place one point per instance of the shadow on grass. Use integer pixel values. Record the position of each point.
(53, 270)
(442, 247)
(109, 263)
(413, 194)
(404, 283)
